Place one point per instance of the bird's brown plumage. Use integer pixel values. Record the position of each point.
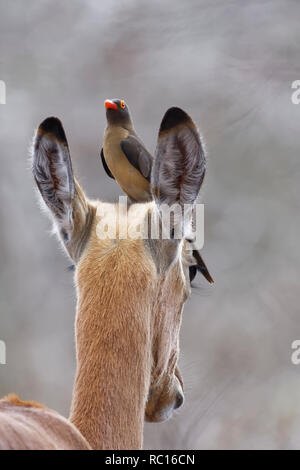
(125, 156)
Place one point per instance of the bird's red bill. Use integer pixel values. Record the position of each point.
(110, 104)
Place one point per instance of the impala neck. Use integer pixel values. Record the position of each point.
(113, 369)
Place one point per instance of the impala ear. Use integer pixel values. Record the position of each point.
(53, 174)
(179, 165)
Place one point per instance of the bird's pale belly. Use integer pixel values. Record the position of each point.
(129, 179)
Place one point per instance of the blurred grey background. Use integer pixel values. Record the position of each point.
(230, 65)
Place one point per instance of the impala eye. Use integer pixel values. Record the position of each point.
(122, 104)
(192, 272)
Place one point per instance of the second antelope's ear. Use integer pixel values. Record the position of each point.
(179, 167)
(53, 174)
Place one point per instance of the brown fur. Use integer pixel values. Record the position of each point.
(130, 296)
(127, 326)
(122, 335)
(13, 399)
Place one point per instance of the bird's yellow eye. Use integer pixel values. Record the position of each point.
(122, 104)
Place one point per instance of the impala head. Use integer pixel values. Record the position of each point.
(132, 289)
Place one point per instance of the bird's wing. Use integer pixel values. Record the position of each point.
(201, 266)
(137, 155)
(108, 172)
